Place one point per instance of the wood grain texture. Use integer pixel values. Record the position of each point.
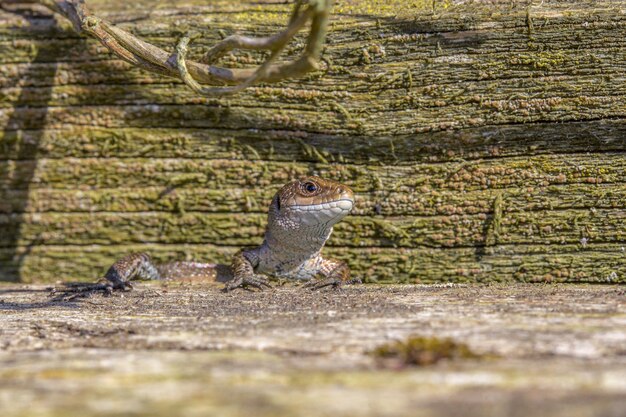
(485, 141)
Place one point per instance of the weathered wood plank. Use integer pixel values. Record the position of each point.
(404, 78)
(516, 228)
(241, 200)
(332, 117)
(537, 171)
(287, 145)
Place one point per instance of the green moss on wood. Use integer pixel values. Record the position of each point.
(422, 351)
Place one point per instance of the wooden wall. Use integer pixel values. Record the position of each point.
(486, 141)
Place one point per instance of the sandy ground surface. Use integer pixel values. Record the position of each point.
(189, 349)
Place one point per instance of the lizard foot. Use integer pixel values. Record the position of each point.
(256, 281)
(73, 291)
(336, 283)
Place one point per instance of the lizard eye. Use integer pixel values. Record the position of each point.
(310, 187)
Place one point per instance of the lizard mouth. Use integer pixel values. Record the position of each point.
(327, 213)
(344, 204)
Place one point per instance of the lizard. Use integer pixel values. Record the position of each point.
(301, 217)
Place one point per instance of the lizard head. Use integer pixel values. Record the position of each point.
(312, 202)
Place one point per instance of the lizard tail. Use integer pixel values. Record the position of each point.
(194, 271)
(140, 266)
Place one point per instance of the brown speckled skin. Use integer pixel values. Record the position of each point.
(300, 221)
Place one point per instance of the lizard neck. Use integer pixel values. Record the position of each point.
(299, 241)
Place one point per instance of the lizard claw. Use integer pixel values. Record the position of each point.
(256, 281)
(122, 285)
(336, 283)
(72, 292)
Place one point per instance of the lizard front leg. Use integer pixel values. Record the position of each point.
(332, 273)
(243, 266)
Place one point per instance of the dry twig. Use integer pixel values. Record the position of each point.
(154, 59)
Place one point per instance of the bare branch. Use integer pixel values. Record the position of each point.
(274, 43)
(154, 59)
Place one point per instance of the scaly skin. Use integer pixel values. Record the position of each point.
(300, 221)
